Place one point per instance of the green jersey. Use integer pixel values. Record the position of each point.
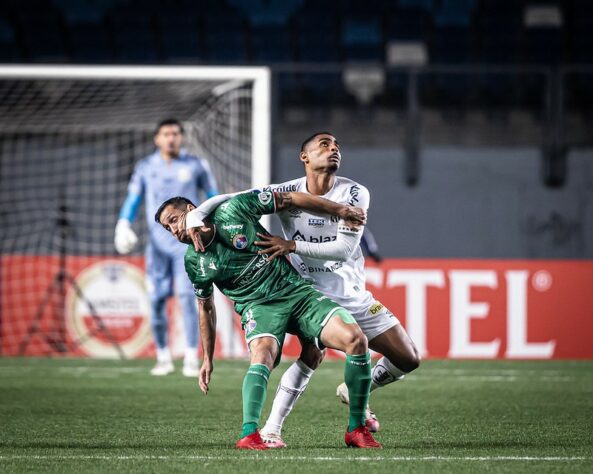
(231, 261)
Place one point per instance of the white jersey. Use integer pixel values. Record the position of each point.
(343, 282)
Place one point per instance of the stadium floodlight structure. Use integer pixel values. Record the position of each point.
(69, 138)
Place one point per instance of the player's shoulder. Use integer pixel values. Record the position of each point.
(353, 191)
(293, 185)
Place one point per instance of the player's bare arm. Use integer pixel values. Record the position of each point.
(319, 205)
(208, 336)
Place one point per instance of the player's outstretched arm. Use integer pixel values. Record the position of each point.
(208, 336)
(319, 205)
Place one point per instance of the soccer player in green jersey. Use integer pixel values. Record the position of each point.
(271, 298)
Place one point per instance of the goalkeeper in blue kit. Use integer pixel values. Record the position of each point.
(169, 171)
(272, 299)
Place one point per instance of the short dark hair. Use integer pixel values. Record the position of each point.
(312, 137)
(168, 121)
(178, 202)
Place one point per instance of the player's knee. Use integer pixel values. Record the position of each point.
(312, 356)
(356, 342)
(264, 351)
(409, 363)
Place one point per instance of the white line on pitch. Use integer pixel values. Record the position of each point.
(263, 456)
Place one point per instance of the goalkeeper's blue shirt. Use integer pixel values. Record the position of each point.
(156, 180)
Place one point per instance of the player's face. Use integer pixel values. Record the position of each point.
(169, 139)
(173, 220)
(322, 154)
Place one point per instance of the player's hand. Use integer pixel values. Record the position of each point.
(125, 238)
(356, 215)
(193, 232)
(274, 246)
(204, 376)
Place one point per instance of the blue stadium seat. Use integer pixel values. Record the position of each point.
(316, 38)
(454, 13)
(362, 39)
(267, 12)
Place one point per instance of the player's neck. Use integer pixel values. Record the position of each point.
(167, 157)
(320, 183)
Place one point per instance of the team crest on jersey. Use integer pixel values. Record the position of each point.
(184, 175)
(250, 326)
(265, 197)
(240, 241)
(316, 222)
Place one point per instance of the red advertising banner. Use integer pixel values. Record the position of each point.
(507, 309)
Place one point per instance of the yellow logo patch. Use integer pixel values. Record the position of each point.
(376, 308)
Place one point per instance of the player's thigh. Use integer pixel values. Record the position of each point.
(266, 320)
(342, 333)
(311, 311)
(158, 273)
(398, 347)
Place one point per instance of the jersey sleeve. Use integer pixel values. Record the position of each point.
(203, 291)
(359, 196)
(250, 206)
(136, 185)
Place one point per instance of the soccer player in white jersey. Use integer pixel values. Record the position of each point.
(327, 252)
(169, 171)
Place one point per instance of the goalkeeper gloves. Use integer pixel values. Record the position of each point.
(125, 238)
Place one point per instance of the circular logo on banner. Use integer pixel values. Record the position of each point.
(112, 306)
(240, 241)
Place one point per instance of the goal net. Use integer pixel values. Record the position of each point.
(69, 139)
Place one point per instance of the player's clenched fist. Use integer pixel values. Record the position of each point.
(356, 215)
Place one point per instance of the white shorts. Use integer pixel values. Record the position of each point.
(375, 320)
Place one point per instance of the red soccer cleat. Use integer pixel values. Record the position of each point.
(361, 438)
(252, 441)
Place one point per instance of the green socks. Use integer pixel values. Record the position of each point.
(357, 375)
(255, 387)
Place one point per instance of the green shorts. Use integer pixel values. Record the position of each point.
(302, 311)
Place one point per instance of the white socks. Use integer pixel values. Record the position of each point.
(385, 373)
(291, 386)
(191, 356)
(163, 355)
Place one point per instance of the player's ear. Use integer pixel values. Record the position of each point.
(304, 157)
(190, 207)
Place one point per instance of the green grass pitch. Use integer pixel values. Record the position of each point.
(75, 415)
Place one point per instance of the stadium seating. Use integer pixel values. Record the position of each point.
(447, 32)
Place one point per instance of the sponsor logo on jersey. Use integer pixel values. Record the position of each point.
(354, 191)
(287, 188)
(251, 270)
(331, 268)
(265, 197)
(316, 240)
(240, 241)
(376, 308)
(184, 175)
(232, 227)
(114, 291)
(201, 263)
(334, 219)
(316, 222)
